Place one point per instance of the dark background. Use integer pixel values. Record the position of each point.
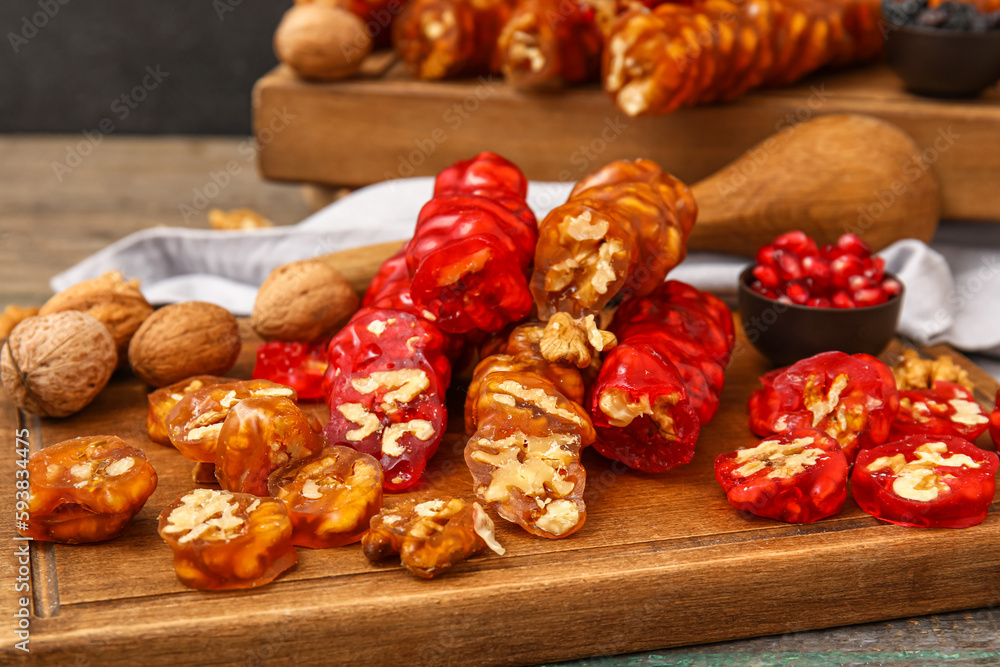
(69, 74)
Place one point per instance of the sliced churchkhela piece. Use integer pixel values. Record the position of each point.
(527, 428)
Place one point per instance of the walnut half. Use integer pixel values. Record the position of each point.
(574, 341)
(914, 372)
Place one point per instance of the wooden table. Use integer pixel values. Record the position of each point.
(127, 184)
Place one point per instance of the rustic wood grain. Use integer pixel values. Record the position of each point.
(662, 561)
(383, 126)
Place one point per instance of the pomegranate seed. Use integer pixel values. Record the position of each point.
(842, 268)
(817, 288)
(854, 245)
(859, 282)
(842, 300)
(871, 296)
(816, 268)
(797, 242)
(875, 268)
(830, 252)
(767, 275)
(766, 255)
(891, 287)
(784, 298)
(758, 287)
(818, 302)
(789, 265)
(797, 292)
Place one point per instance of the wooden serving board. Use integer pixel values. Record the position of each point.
(386, 125)
(663, 560)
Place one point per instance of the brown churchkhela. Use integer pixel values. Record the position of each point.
(678, 55)
(446, 38)
(527, 429)
(619, 233)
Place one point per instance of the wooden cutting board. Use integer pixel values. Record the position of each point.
(386, 125)
(663, 560)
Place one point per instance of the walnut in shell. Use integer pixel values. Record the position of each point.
(320, 40)
(184, 339)
(303, 301)
(109, 299)
(54, 365)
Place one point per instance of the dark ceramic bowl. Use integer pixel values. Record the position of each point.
(786, 333)
(944, 63)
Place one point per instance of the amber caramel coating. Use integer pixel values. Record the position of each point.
(261, 435)
(195, 422)
(163, 400)
(550, 42)
(619, 233)
(223, 540)
(430, 536)
(527, 429)
(680, 54)
(86, 489)
(331, 496)
(446, 38)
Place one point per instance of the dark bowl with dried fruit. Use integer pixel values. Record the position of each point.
(786, 332)
(952, 50)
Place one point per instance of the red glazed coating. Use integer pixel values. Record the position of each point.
(797, 477)
(926, 481)
(851, 398)
(946, 409)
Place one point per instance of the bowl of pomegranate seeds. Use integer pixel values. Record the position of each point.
(799, 299)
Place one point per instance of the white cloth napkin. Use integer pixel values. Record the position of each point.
(952, 286)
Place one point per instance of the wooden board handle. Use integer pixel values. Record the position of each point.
(358, 265)
(826, 176)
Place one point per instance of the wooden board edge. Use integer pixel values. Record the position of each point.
(661, 599)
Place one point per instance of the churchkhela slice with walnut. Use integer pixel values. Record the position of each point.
(223, 540)
(430, 536)
(926, 481)
(163, 400)
(331, 496)
(386, 384)
(944, 409)
(195, 422)
(853, 399)
(261, 435)
(83, 490)
(528, 428)
(797, 477)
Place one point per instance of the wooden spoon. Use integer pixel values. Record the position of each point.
(826, 176)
